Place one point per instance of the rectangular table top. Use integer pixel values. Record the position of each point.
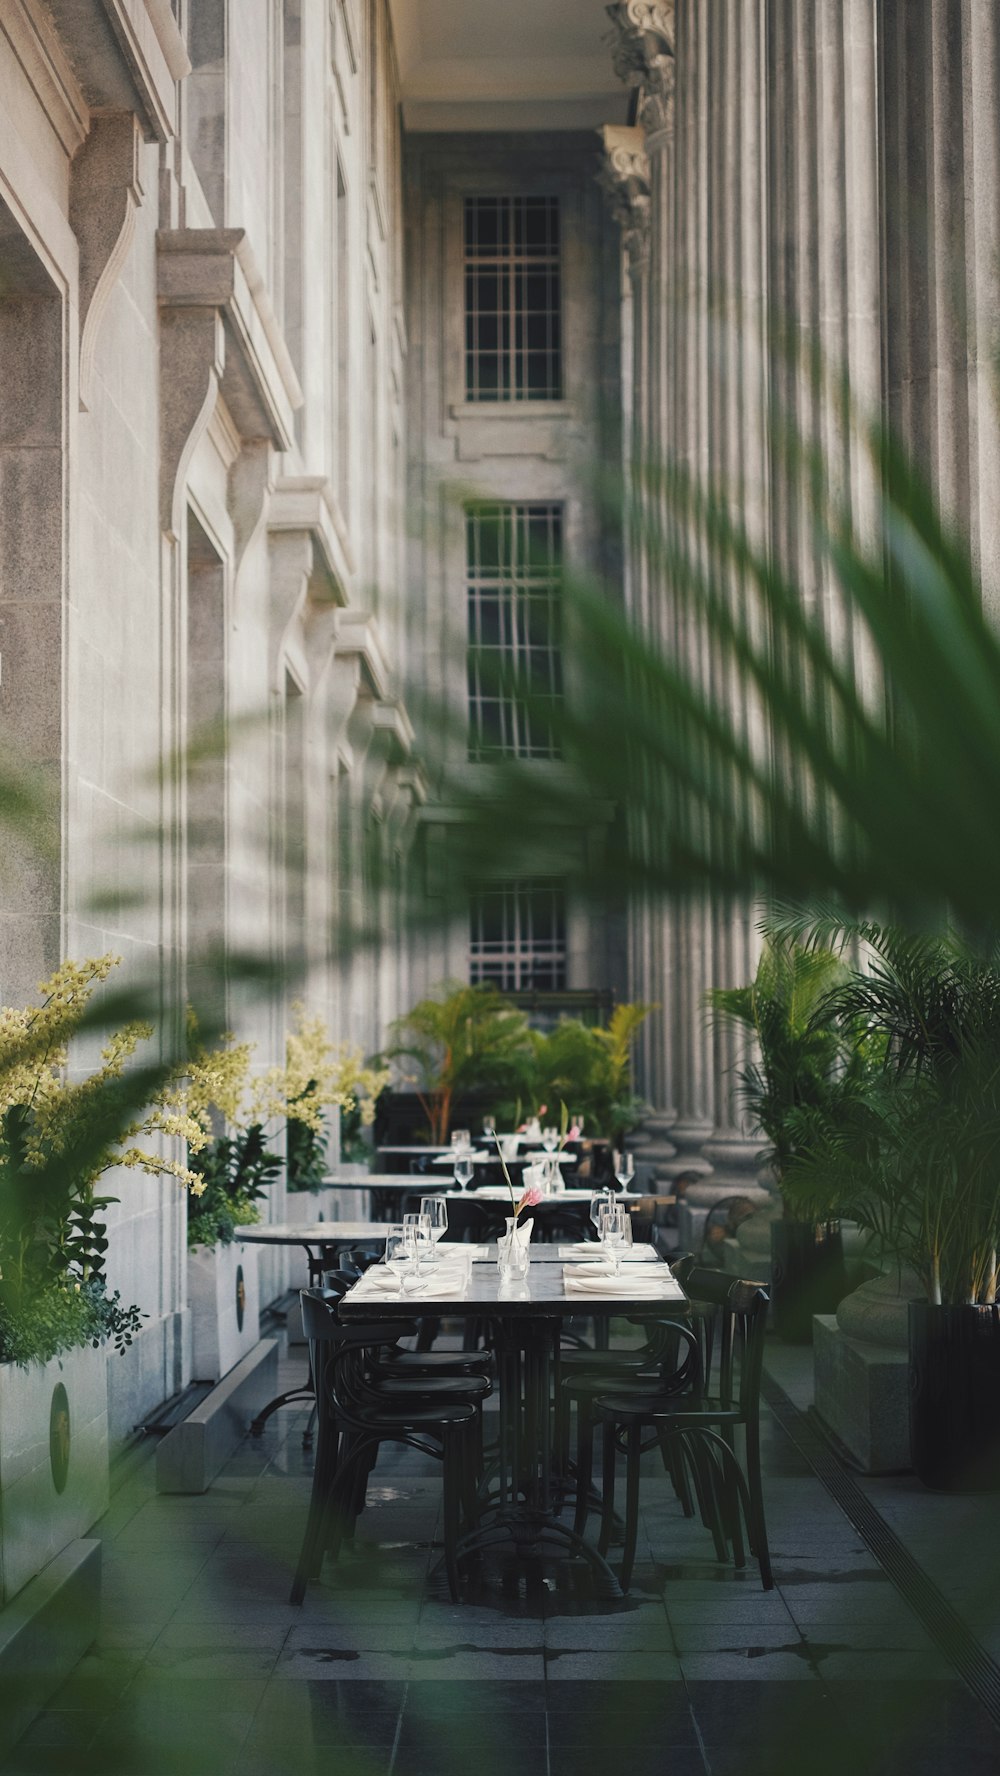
(540, 1296)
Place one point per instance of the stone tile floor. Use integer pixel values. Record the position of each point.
(203, 1666)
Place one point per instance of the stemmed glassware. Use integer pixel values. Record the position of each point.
(614, 1230)
(464, 1167)
(400, 1254)
(436, 1210)
(624, 1169)
(550, 1139)
(600, 1201)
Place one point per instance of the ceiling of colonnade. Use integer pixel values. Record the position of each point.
(506, 64)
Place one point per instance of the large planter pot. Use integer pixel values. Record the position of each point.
(53, 1460)
(224, 1302)
(955, 1397)
(807, 1275)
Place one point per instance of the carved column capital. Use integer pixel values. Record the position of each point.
(642, 51)
(624, 177)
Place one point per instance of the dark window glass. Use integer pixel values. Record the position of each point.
(512, 299)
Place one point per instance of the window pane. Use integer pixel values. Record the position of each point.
(514, 563)
(512, 298)
(518, 936)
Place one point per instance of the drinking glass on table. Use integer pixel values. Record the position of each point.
(614, 1232)
(400, 1255)
(599, 1201)
(418, 1226)
(436, 1210)
(550, 1139)
(461, 1138)
(624, 1169)
(464, 1168)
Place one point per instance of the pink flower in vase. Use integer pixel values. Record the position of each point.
(531, 1196)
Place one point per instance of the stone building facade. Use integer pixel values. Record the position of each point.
(202, 455)
(251, 418)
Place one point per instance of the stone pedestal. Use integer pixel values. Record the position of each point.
(862, 1375)
(862, 1396)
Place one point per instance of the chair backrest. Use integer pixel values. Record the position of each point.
(740, 1318)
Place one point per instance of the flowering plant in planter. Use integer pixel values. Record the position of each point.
(317, 1075)
(232, 1168)
(59, 1135)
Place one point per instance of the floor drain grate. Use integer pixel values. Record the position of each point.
(950, 1634)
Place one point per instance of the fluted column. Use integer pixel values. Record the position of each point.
(642, 53)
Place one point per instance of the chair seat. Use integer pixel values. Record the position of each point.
(436, 1363)
(644, 1386)
(630, 1404)
(431, 1387)
(624, 1361)
(416, 1418)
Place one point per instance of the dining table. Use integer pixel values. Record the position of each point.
(524, 1322)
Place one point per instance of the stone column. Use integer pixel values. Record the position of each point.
(635, 172)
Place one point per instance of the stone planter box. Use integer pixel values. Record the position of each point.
(224, 1304)
(53, 1460)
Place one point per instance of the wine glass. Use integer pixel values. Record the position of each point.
(550, 1139)
(418, 1226)
(613, 1234)
(598, 1203)
(436, 1210)
(464, 1168)
(400, 1255)
(624, 1169)
(460, 1138)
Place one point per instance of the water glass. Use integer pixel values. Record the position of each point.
(464, 1168)
(599, 1201)
(436, 1210)
(550, 1139)
(624, 1169)
(614, 1233)
(400, 1255)
(461, 1138)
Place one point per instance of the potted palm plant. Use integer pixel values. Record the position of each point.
(911, 1153)
(459, 1043)
(800, 1051)
(589, 1068)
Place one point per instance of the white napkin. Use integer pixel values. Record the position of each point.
(649, 1287)
(591, 1250)
(447, 1282)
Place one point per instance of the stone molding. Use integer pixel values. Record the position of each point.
(307, 579)
(40, 52)
(105, 194)
(127, 55)
(358, 638)
(624, 178)
(218, 335)
(642, 53)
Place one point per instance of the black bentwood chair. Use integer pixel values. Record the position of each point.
(700, 1432)
(364, 1401)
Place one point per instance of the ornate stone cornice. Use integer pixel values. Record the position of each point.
(643, 55)
(624, 177)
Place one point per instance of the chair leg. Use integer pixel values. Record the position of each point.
(584, 1462)
(757, 1528)
(608, 1456)
(452, 1494)
(633, 1455)
(673, 1462)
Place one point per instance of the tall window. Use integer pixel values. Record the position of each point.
(513, 343)
(518, 937)
(514, 555)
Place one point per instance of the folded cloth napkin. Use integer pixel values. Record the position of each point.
(449, 1284)
(590, 1249)
(594, 1283)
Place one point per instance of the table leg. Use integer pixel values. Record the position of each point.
(525, 1512)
